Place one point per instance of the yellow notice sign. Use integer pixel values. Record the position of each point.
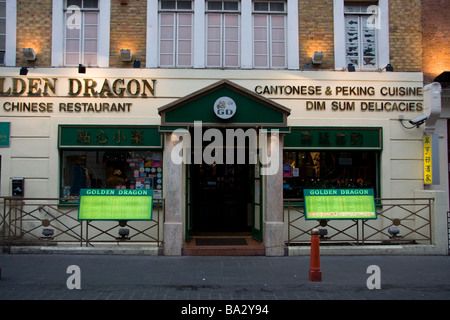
(427, 159)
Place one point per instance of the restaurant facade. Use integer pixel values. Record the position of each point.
(221, 108)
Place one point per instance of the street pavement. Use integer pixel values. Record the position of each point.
(192, 281)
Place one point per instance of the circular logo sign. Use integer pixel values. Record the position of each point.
(224, 107)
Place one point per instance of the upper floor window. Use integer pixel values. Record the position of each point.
(360, 35)
(245, 34)
(175, 33)
(269, 34)
(81, 32)
(223, 34)
(2, 31)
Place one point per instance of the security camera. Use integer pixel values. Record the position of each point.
(419, 120)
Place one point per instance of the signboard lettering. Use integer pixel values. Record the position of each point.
(115, 204)
(332, 204)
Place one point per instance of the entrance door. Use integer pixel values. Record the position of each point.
(221, 197)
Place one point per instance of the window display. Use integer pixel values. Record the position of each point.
(110, 169)
(328, 169)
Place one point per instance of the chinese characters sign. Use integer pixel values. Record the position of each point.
(431, 159)
(339, 204)
(73, 136)
(334, 138)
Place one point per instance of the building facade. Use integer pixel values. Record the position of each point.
(135, 94)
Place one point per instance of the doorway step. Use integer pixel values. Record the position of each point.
(223, 246)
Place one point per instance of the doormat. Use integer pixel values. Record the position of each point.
(220, 242)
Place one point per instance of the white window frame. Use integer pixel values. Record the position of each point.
(270, 41)
(176, 39)
(222, 51)
(81, 38)
(58, 37)
(199, 52)
(10, 39)
(382, 44)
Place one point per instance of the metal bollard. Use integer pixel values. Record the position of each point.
(315, 274)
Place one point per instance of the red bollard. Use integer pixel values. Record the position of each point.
(314, 270)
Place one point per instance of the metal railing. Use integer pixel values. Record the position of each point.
(411, 217)
(51, 221)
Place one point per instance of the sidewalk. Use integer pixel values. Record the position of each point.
(119, 277)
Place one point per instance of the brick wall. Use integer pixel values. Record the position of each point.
(316, 32)
(405, 39)
(34, 21)
(128, 31)
(436, 38)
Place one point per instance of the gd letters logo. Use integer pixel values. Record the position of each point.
(224, 107)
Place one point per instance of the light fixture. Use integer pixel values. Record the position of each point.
(81, 68)
(323, 233)
(123, 233)
(317, 57)
(125, 55)
(48, 233)
(388, 68)
(29, 54)
(136, 64)
(351, 68)
(393, 231)
(23, 71)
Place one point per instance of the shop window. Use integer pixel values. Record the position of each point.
(328, 170)
(269, 34)
(175, 33)
(110, 169)
(223, 30)
(81, 32)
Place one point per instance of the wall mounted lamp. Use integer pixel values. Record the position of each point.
(317, 57)
(136, 64)
(388, 68)
(23, 71)
(48, 233)
(351, 68)
(125, 55)
(29, 54)
(81, 68)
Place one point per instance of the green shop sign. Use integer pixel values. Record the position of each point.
(109, 136)
(332, 204)
(5, 133)
(115, 204)
(334, 138)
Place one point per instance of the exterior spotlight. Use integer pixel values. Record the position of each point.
(393, 231)
(23, 71)
(136, 64)
(29, 54)
(81, 68)
(323, 233)
(317, 57)
(48, 233)
(351, 68)
(123, 233)
(388, 68)
(125, 55)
